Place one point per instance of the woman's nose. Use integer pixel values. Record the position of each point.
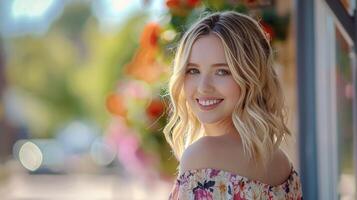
(205, 85)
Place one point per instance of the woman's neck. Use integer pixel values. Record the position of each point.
(219, 129)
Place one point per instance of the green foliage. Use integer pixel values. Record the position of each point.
(68, 73)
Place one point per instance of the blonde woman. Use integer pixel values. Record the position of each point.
(227, 121)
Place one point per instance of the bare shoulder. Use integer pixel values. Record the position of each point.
(280, 159)
(279, 169)
(210, 152)
(198, 155)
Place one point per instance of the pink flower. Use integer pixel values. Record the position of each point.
(202, 194)
(214, 173)
(237, 196)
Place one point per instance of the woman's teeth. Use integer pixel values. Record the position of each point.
(209, 102)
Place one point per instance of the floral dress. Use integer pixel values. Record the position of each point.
(216, 184)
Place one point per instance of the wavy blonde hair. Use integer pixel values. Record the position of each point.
(259, 115)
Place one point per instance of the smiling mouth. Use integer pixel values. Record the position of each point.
(209, 103)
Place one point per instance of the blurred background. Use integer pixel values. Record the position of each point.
(83, 87)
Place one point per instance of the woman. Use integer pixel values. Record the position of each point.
(227, 120)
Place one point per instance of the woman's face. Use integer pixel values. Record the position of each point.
(209, 87)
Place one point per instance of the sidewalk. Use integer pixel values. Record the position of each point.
(79, 187)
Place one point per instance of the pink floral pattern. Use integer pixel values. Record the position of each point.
(216, 184)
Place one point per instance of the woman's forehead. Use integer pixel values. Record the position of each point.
(208, 48)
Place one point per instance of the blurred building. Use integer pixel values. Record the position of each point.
(326, 66)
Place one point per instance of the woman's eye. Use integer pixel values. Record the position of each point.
(223, 72)
(192, 71)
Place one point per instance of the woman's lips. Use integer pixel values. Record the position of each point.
(209, 107)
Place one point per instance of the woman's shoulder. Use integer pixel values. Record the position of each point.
(211, 152)
(279, 169)
(197, 155)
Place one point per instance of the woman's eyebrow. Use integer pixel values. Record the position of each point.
(220, 65)
(192, 64)
(213, 65)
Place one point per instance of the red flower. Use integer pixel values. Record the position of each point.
(179, 7)
(155, 109)
(268, 30)
(193, 3)
(172, 3)
(150, 36)
(143, 65)
(251, 2)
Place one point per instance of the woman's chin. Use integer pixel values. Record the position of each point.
(214, 120)
(206, 120)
